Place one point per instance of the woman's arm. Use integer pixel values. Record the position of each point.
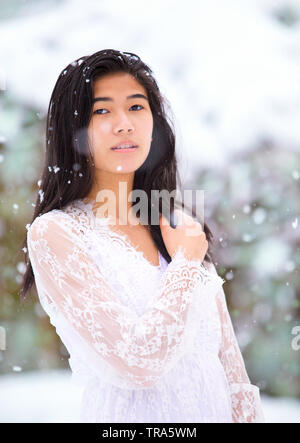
(140, 348)
(246, 403)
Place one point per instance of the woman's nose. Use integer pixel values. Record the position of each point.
(123, 124)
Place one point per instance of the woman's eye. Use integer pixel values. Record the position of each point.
(137, 105)
(103, 109)
(98, 111)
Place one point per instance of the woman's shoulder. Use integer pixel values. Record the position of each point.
(45, 218)
(67, 218)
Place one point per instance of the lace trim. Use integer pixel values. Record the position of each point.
(246, 404)
(105, 222)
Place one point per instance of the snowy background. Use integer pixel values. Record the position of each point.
(50, 396)
(231, 72)
(231, 69)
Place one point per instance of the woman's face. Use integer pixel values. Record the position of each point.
(119, 118)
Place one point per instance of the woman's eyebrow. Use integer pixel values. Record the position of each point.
(109, 99)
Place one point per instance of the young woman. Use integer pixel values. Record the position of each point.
(137, 303)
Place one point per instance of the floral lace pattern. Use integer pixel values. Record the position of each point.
(148, 343)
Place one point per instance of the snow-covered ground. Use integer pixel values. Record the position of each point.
(39, 396)
(50, 396)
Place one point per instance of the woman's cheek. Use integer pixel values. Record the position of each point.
(105, 127)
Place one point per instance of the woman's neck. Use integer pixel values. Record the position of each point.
(110, 195)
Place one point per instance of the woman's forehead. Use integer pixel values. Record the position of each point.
(117, 84)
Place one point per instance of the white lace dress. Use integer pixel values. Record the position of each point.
(150, 344)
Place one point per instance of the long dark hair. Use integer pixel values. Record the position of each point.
(69, 159)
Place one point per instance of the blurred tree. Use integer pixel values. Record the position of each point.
(253, 207)
(30, 342)
(286, 13)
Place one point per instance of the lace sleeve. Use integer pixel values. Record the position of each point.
(245, 398)
(140, 348)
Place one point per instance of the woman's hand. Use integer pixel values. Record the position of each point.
(188, 235)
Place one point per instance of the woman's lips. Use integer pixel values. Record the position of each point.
(124, 150)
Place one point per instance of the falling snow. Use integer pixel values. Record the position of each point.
(41, 193)
(76, 167)
(246, 209)
(21, 267)
(259, 216)
(289, 266)
(229, 275)
(247, 237)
